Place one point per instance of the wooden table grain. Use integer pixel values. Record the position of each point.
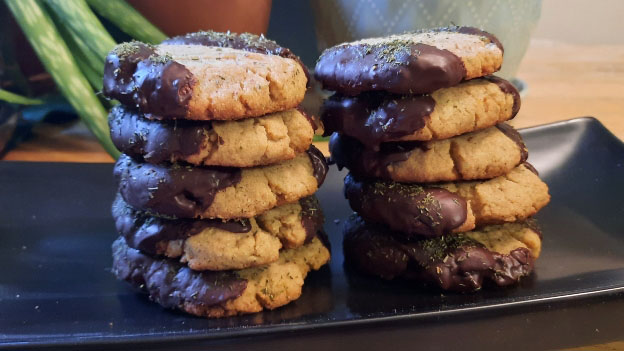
(564, 81)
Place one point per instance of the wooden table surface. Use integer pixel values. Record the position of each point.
(564, 81)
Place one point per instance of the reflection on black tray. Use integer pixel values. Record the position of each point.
(414, 297)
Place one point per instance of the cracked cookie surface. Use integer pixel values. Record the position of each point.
(243, 143)
(219, 294)
(478, 155)
(511, 197)
(429, 210)
(216, 244)
(242, 41)
(504, 238)
(202, 82)
(218, 192)
(377, 118)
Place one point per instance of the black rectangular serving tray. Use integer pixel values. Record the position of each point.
(56, 289)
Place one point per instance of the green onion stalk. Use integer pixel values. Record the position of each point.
(58, 61)
(129, 20)
(84, 27)
(18, 99)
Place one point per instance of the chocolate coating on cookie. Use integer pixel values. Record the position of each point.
(375, 118)
(530, 168)
(244, 41)
(433, 161)
(400, 67)
(362, 161)
(319, 164)
(147, 232)
(137, 76)
(171, 189)
(155, 141)
(171, 284)
(408, 208)
(396, 65)
(452, 262)
(507, 88)
(314, 122)
(513, 134)
(312, 218)
(534, 226)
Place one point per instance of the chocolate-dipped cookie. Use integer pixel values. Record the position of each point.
(485, 154)
(500, 255)
(411, 63)
(443, 208)
(512, 197)
(202, 82)
(411, 209)
(219, 294)
(218, 192)
(243, 143)
(214, 244)
(374, 118)
(243, 41)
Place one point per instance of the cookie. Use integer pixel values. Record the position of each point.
(485, 154)
(243, 41)
(411, 63)
(201, 82)
(377, 118)
(500, 255)
(512, 197)
(413, 210)
(243, 143)
(504, 238)
(214, 244)
(438, 209)
(294, 223)
(218, 192)
(219, 293)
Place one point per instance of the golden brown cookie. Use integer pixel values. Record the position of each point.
(202, 82)
(214, 244)
(217, 192)
(478, 155)
(243, 143)
(243, 41)
(294, 223)
(504, 238)
(376, 118)
(512, 197)
(443, 208)
(219, 294)
(500, 254)
(410, 63)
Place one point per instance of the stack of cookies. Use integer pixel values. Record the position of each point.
(440, 183)
(215, 208)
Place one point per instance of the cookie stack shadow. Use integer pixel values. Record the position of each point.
(215, 208)
(439, 182)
